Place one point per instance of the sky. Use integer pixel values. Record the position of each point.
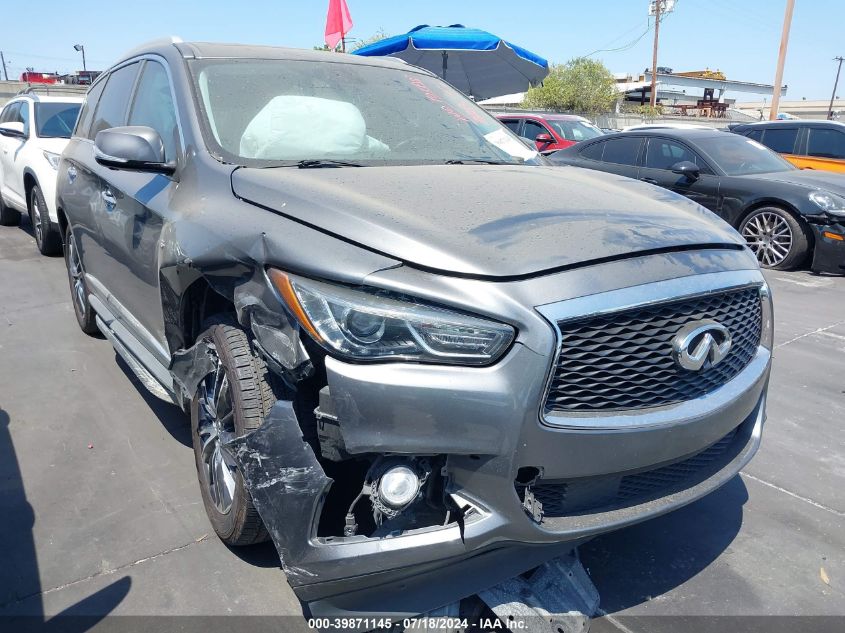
(738, 37)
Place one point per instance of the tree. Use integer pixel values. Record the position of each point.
(375, 37)
(580, 85)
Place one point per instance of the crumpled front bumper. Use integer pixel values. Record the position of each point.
(487, 425)
(829, 249)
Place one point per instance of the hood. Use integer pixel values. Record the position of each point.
(809, 178)
(486, 220)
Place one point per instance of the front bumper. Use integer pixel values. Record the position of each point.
(829, 250)
(487, 425)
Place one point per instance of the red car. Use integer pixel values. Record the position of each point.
(550, 132)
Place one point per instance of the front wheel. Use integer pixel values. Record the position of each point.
(778, 239)
(233, 399)
(85, 315)
(47, 238)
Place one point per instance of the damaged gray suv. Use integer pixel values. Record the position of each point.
(415, 356)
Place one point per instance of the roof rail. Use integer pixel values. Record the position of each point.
(142, 48)
(50, 90)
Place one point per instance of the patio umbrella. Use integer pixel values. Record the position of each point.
(476, 62)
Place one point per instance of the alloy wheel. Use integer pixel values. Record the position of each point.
(36, 220)
(769, 237)
(217, 418)
(76, 274)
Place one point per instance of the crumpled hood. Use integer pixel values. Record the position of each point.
(485, 220)
(809, 178)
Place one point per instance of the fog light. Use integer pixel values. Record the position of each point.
(398, 486)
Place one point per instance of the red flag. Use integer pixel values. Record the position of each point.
(338, 22)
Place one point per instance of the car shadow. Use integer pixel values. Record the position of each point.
(633, 565)
(172, 418)
(21, 604)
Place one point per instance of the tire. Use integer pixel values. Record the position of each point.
(8, 216)
(235, 398)
(47, 238)
(778, 239)
(85, 315)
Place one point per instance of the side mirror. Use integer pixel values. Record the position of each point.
(136, 148)
(686, 168)
(14, 129)
(544, 139)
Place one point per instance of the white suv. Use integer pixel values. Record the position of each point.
(34, 130)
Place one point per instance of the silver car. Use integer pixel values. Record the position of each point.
(415, 356)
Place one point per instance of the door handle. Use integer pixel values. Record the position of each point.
(650, 181)
(71, 173)
(109, 199)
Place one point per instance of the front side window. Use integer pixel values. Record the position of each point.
(781, 140)
(55, 120)
(593, 151)
(10, 112)
(826, 143)
(575, 130)
(532, 129)
(153, 107)
(274, 112)
(86, 115)
(663, 153)
(111, 108)
(622, 151)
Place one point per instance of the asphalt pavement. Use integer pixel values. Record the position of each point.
(100, 513)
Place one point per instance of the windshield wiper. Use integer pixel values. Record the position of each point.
(481, 161)
(314, 163)
(324, 162)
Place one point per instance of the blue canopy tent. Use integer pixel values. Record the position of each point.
(474, 61)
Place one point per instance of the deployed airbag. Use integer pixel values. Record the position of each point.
(292, 127)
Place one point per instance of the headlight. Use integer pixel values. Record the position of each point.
(374, 325)
(53, 159)
(828, 202)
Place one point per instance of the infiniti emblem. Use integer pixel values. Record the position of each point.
(699, 342)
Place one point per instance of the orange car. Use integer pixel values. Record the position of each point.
(806, 144)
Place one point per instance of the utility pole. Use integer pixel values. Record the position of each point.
(657, 6)
(784, 42)
(3, 61)
(835, 84)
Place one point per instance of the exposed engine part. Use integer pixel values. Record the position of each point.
(332, 446)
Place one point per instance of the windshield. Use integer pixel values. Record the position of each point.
(54, 119)
(276, 112)
(575, 130)
(740, 156)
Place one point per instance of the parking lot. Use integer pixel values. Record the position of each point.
(102, 515)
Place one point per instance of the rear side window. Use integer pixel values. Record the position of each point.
(512, 124)
(593, 151)
(781, 140)
(826, 143)
(83, 123)
(622, 151)
(755, 135)
(153, 106)
(112, 106)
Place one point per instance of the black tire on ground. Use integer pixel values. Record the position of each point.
(8, 216)
(85, 315)
(48, 240)
(247, 396)
(791, 236)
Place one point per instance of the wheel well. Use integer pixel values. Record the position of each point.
(201, 303)
(783, 206)
(62, 223)
(28, 183)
